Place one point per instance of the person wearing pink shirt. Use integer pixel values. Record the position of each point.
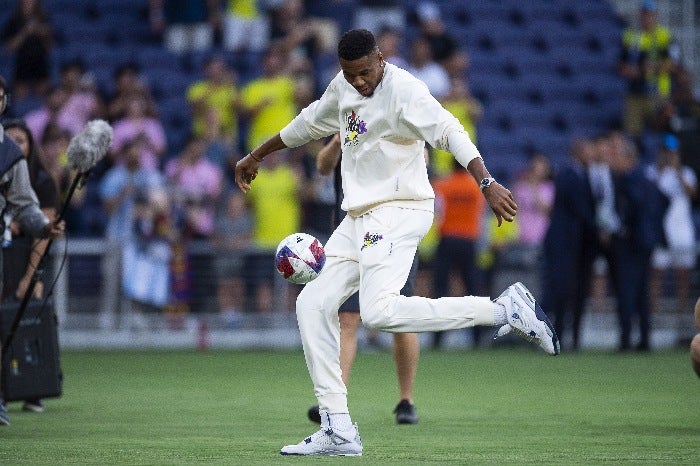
(138, 124)
(197, 185)
(534, 191)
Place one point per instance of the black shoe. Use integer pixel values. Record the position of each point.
(406, 413)
(314, 415)
(35, 405)
(4, 420)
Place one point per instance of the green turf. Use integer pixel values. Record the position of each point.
(496, 406)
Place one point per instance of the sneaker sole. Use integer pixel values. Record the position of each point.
(321, 454)
(539, 313)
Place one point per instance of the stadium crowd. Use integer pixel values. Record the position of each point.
(155, 194)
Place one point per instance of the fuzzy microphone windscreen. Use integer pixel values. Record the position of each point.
(89, 146)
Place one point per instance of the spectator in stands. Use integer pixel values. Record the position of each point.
(459, 211)
(126, 82)
(49, 113)
(70, 105)
(28, 35)
(424, 67)
(124, 189)
(607, 220)
(186, 25)
(276, 210)
(534, 190)
(685, 121)
(468, 110)
(137, 123)
(565, 277)
(375, 14)
(232, 241)
(640, 207)
(679, 184)
(214, 99)
(219, 147)
(246, 26)
(196, 185)
(54, 146)
(83, 102)
(444, 46)
(21, 258)
(648, 66)
(269, 101)
(389, 42)
(303, 37)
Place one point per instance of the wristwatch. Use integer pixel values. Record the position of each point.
(486, 182)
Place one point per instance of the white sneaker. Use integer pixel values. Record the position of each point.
(329, 441)
(527, 319)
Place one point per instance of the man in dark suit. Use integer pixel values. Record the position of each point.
(640, 206)
(566, 268)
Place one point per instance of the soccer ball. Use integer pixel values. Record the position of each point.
(300, 258)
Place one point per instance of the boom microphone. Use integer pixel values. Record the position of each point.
(89, 146)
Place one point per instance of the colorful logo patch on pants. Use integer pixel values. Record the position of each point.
(370, 239)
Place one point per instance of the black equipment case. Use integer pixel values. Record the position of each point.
(31, 366)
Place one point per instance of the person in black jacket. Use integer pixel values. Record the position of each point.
(640, 206)
(566, 251)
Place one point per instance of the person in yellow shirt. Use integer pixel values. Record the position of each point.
(468, 110)
(269, 101)
(647, 64)
(276, 212)
(216, 93)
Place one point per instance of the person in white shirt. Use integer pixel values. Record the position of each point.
(385, 116)
(680, 186)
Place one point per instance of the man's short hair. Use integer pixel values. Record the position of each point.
(355, 44)
(3, 83)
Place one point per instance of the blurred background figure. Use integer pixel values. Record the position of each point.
(137, 123)
(422, 65)
(534, 191)
(566, 267)
(459, 208)
(268, 100)
(246, 26)
(276, 212)
(232, 241)
(126, 82)
(375, 14)
(648, 66)
(125, 191)
(185, 25)
(678, 184)
(214, 100)
(28, 36)
(640, 206)
(195, 185)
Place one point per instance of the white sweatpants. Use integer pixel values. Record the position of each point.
(374, 254)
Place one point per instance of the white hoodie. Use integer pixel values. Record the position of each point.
(383, 139)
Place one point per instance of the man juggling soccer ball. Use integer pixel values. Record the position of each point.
(384, 116)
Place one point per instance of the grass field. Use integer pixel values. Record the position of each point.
(495, 406)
